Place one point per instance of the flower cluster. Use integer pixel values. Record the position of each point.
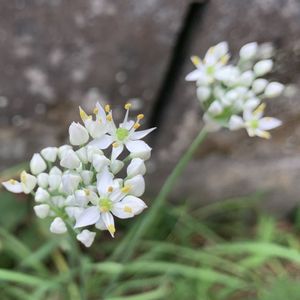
(77, 185)
(232, 95)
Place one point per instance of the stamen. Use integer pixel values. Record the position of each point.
(127, 106)
(111, 228)
(83, 115)
(224, 59)
(115, 145)
(140, 116)
(128, 209)
(196, 60)
(107, 108)
(109, 118)
(126, 189)
(260, 109)
(136, 125)
(12, 181)
(110, 189)
(96, 110)
(23, 176)
(87, 192)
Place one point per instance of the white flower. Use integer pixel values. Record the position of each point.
(259, 85)
(263, 67)
(246, 78)
(87, 176)
(203, 93)
(42, 210)
(70, 182)
(28, 182)
(116, 166)
(274, 89)
(78, 134)
(54, 182)
(41, 195)
(42, 180)
(37, 164)
(13, 186)
(86, 237)
(136, 167)
(82, 154)
(70, 160)
(248, 51)
(99, 162)
(112, 200)
(255, 123)
(215, 108)
(58, 226)
(62, 150)
(50, 153)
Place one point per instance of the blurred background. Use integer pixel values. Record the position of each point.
(56, 55)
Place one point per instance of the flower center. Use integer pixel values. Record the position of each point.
(105, 205)
(254, 124)
(122, 134)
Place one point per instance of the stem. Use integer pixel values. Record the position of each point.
(166, 189)
(128, 245)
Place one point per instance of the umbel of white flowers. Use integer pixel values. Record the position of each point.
(78, 185)
(232, 94)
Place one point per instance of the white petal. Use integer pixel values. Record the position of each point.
(62, 150)
(82, 154)
(101, 113)
(274, 89)
(136, 167)
(37, 164)
(41, 210)
(28, 182)
(102, 142)
(259, 85)
(74, 212)
(104, 182)
(100, 225)
(137, 185)
(116, 166)
(135, 204)
(13, 186)
(116, 151)
(268, 123)
(194, 75)
(89, 216)
(55, 171)
(138, 149)
(58, 226)
(236, 122)
(54, 182)
(86, 237)
(87, 176)
(99, 162)
(140, 134)
(108, 220)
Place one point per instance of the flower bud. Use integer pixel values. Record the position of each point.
(215, 108)
(274, 89)
(58, 201)
(86, 237)
(99, 162)
(50, 153)
(28, 182)
(74, 212)
(82, 154)
(246, 78)
(116, 166)
(41, 210)
(259, 85)
(203, 93)
(235, 122)
(263, 67)
(81, 198)
(54, 182)
(136, 167)
(248, 51)
(41, 195)
(87, 177)
(91, 150)
(62, 150)
(37, 164)
(70, 160)
(42, 180)
(58, 226)
(78, 134)
(55, 171)
(70, 183)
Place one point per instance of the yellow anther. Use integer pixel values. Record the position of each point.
(87, 192)
(115, 145)
(140, 116)
(107, 108)
(110, 189)
(126, 189)
(109, 118)
(127, 106)
(23, 176)
(211, 50)
(100, 121)
(260, 109)
(83, 114)
(265, 135)
(225, 59)
(96, 110)
(12, 181)
(128, 209)
(196, 60)
(111, 228)
(136, 126)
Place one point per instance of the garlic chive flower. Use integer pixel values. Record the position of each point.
(79, 185)
(231, 94)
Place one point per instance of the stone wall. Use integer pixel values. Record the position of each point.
(55, 55)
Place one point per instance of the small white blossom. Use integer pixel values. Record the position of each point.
(70, 160)
(42, 210)
(136, 167)
(274, 89)
(58, 226)
(248, 51)
(41, 195)
(37, 164)
(86, 237)
(263, 67)
(42, 180)
(50, 153)
(70, 182)
(78, 134)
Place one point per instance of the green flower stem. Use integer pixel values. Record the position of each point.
(165, 191)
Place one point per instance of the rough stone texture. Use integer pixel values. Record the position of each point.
(231, 163)
(55, 55)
